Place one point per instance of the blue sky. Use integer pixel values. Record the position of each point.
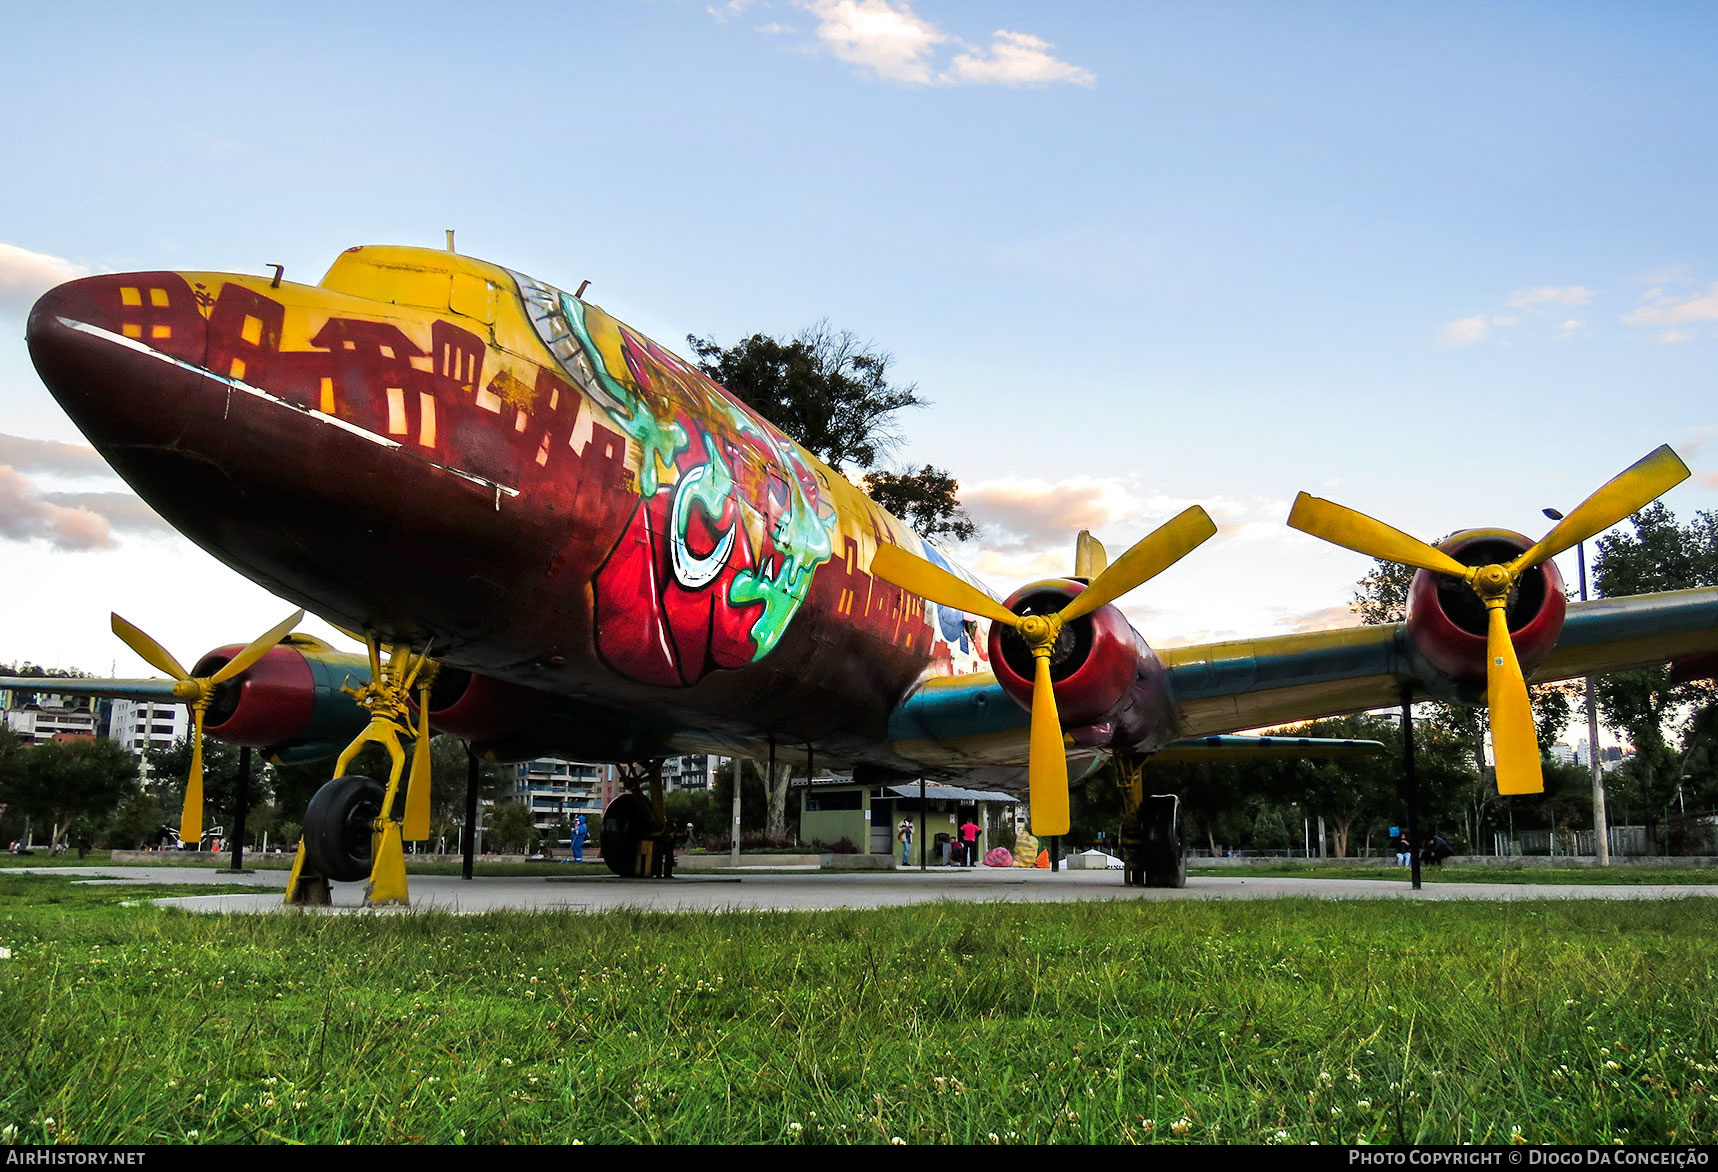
(1447, 263)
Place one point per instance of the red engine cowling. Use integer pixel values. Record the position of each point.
(480, 709)
(1447, 621)
(289, 697)
(1103, 673)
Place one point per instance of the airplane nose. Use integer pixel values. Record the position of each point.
(117, 350)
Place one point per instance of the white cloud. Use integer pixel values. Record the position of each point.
(1670, 311)
(1674, 336)
(83, 517)
(26, 516)
(891, 41)
(1464, 331)
(1552, 295)
(774, 28)
(53, 457)
(732, 8)
(26, 275)
(1017, 59)
(873, 34)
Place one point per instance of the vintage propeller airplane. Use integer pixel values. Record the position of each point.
(610, 558)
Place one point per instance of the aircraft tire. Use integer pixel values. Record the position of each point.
(624, 825)
(1165, 862)
(337, 827)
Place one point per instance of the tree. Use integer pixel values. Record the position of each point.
(508, 828)
(61, 781)
(927, 500)
(1666, 723)
(448, 772)
(137, 823)
(170, 769)
(832, 393)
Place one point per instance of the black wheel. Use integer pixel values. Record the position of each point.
(1165, 864)
(624, 825)
(337, 827)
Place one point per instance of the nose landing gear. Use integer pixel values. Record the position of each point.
(352, 827)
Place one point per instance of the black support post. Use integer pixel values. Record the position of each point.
(471, 769)
(1412, 783)
(243, 805)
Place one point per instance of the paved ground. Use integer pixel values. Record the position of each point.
(817, 891)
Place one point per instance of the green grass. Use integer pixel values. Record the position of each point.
(1458, 873)
(1270, 1021)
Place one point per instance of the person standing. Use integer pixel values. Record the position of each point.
(581, 832)
(969, 834)
(905, 837)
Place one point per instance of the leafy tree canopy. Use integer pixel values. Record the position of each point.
(831, 392)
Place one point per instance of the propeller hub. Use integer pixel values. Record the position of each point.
(1040, 631)
(1492, 583)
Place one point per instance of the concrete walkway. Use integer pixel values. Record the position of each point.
(804, 892)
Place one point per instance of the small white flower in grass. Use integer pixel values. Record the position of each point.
(5, 954)
(897, 1141)
(795, 1127)
(1364, 1104)
(1181, 1127)
(994, 1138)
(1281, 1135)
(9, 1133)
(49, 1123)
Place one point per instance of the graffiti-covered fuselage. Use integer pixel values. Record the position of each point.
(444, 450)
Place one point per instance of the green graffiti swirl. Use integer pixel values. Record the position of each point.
(658, 441)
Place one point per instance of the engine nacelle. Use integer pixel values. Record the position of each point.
(1447, 621)
(510, 722)
(1110, 686)
(289, 699)
(480, 709)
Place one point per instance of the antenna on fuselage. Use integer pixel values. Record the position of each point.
(583, 285)
(450, 239)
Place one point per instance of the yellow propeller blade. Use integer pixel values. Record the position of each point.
(1342, 526)
(191, 818)
(152, 653)
(1047, 767)
(1514, 742)
(256, 648)
(1090, 557)
(1149, 557)
(1630, 491)
(913, 573)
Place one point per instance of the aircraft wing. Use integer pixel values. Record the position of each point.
(1214, 750)
(159, 690)
(1253, 683)
(965, 722)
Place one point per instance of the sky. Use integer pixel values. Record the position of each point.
(1447, 264)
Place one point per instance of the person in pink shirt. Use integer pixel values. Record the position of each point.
(969, 834)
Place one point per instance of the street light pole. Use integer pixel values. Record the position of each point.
(1601, 824)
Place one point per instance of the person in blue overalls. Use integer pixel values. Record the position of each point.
(581, 832)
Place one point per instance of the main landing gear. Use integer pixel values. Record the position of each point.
(1150, 844)
(355, 826)
(635, 837)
